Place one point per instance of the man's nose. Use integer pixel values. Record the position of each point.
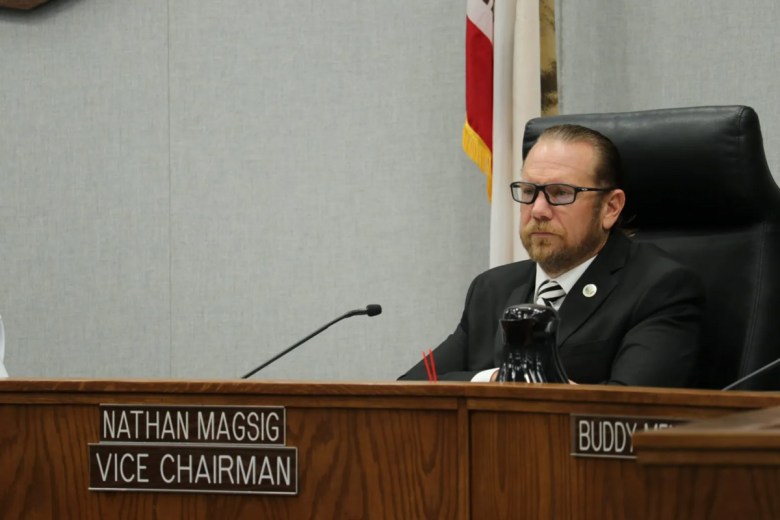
(541, 209)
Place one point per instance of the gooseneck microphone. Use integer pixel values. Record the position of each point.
(370, 310)
(752, 374)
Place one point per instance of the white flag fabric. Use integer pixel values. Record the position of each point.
(516, 99)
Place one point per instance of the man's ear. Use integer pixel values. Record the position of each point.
(612, 206)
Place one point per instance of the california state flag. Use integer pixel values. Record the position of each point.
(509, 31)
(478, 129)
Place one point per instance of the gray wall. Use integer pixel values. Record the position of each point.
(188, 187)
(618, 55)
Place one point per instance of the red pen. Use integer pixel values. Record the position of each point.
(430, 366)
(427, 367)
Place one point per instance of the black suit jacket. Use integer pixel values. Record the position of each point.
(642, 326)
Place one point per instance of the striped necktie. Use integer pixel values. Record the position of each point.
(549, 293)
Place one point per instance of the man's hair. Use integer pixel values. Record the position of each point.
(609, 172)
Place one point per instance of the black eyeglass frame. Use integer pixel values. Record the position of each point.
(543, 188)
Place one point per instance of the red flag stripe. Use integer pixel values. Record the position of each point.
(479, 83)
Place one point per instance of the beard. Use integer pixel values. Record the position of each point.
(553, 255)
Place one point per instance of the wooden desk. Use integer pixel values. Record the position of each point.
(391, 450)
(722, 468)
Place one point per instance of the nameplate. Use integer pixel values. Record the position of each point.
(194, 449)
(193, 424)
(610, 436)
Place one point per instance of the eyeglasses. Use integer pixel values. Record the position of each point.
(556, 194)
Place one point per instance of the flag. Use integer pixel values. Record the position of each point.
(517, 98)
(510, 57)
(478, 128)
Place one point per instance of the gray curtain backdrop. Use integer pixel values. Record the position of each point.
(187, 188)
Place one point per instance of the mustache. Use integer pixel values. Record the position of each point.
(537, 227)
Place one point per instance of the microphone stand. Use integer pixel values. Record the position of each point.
(304, 340)
(750, 375)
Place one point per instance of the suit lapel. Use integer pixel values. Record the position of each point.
(577, 307)
(523, 292)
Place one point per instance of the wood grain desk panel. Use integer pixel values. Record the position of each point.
(362, 453)
(722, 468)
(375, 450)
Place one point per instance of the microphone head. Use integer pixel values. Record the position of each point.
(373, 309)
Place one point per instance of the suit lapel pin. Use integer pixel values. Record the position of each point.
(589, 291)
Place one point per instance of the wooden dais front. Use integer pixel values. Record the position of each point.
(391, 450)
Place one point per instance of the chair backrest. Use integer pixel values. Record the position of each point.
(698, 185)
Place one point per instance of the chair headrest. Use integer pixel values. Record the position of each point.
(685, 167)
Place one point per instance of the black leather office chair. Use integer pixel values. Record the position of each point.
(698, 185)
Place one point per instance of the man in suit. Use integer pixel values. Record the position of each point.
(629, 313)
